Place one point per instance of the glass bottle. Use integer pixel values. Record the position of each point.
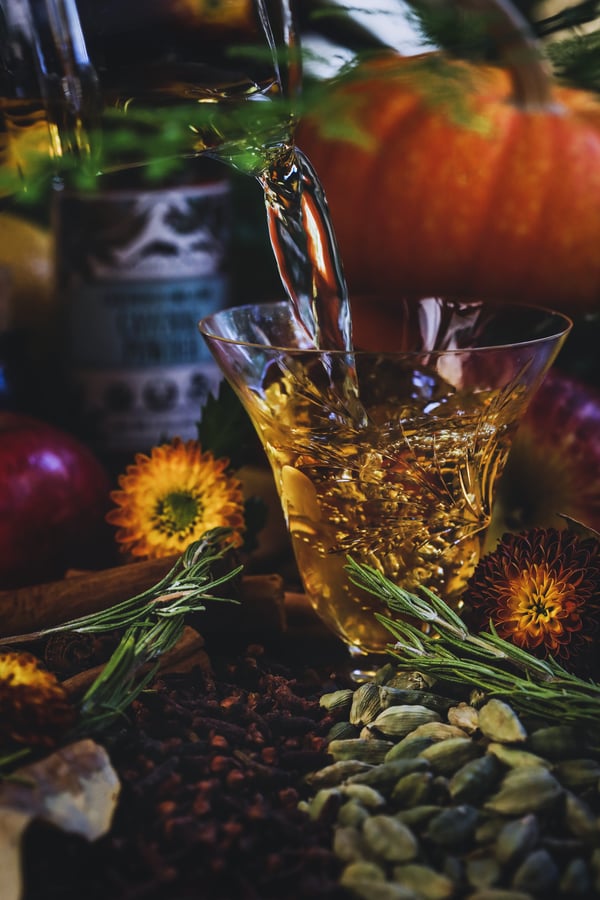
(137, 265)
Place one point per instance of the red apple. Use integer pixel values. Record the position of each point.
(554, 463)
(54, 494)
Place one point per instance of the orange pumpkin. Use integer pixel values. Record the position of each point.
(460, 187)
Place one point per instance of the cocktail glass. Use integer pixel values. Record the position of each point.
(403, 479)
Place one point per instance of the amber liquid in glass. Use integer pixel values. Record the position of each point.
(409, 493)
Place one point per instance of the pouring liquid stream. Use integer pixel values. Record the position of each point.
(305, 248)
(119, 113)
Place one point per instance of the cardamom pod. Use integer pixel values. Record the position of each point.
(445, 757)
(523, 790)
(366, 704)
(389, 838)
(398, 721)
(499, 722)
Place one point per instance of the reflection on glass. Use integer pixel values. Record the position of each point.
(409, 488)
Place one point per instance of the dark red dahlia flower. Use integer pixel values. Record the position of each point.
(541, 591)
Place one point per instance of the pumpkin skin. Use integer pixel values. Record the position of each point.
(501, 203)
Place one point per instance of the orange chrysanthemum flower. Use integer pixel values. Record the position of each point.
(541, 591)
(174, 496)
(34, 706)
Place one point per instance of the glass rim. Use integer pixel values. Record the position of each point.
(564, 324)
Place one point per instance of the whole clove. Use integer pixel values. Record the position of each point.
(212, 766)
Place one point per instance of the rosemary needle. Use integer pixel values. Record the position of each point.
(446, 649)
(184, 589)
(154, 622)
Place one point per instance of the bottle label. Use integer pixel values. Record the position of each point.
(138, 270)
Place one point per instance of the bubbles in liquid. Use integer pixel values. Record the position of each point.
(408, 493)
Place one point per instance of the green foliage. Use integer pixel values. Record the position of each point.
(468, 33)
(151, 623)
(431, 637)
(225, 427)
(157, 138)
(576, 60)
(226, 430)
(462, 32)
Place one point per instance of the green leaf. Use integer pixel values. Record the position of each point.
(461, 31)
(577, 60)
(225, 427)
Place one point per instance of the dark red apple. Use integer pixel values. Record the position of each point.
(54, 494)
(554, 463)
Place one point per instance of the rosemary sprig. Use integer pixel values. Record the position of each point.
(153, 622)
(447, 650)
(184, 589)
(128, 672)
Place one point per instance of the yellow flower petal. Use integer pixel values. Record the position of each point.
(34, 706)
(174, 496)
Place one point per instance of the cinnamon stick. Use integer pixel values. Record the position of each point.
(39, 606)
(29, 609)
(187, 653)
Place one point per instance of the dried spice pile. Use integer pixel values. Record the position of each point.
(433, 799)
(212, 766)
